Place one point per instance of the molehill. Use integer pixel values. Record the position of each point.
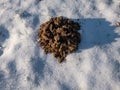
(59, 36)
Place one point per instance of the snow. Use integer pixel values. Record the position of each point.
(25, 66)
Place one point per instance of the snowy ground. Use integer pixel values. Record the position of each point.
(24, 65)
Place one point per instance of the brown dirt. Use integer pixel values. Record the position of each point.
(59, 36)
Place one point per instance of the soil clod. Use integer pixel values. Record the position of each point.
(59, 36)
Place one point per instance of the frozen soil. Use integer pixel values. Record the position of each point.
(59, 36)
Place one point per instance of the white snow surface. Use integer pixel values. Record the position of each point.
(25, 66)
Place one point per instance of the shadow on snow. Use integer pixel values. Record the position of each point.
(96, 32)
(4, 34)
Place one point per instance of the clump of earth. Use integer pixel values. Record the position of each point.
(59, 36)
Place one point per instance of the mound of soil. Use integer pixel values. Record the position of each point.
(59, 36)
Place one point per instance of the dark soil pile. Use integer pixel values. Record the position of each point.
(59, 36)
